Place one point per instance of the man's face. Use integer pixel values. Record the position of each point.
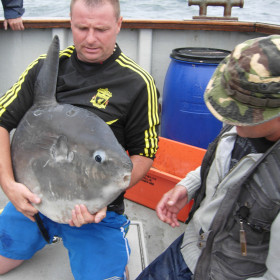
(270, 130)
(94, 31)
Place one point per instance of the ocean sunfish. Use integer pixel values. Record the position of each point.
(65, 154)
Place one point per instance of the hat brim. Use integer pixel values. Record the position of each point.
(229, 110)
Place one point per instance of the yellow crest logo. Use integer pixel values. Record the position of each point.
(101, 99)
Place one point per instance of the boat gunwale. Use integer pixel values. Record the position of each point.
(206, 25)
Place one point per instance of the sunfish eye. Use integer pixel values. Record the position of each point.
(99, 156)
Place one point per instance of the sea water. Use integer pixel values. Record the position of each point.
(253, 10)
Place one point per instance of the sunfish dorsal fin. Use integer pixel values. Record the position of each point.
(45, 86)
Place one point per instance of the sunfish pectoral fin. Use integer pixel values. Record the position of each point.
(45, 86)
(60, 151)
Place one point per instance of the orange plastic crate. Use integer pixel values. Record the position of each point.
(173, 161)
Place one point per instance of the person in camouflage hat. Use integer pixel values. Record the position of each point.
(245, 88)
(233, 229)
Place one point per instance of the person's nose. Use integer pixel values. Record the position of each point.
(91, 36)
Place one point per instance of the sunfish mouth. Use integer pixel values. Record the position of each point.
(126, 179)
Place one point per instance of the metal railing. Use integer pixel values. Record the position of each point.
(227, 4)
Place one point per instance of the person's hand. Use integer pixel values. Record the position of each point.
(170, 205)
(81, 216)
(21, 197)
(14, 23)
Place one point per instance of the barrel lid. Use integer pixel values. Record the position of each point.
(201, 55)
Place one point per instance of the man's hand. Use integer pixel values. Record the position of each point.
(81, 216)
(14, 23)
(21, 197)
(170, 205)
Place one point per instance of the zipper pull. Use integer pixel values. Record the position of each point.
(242, 236)
(243, 213)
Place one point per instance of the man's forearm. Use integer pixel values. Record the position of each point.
(141, 165)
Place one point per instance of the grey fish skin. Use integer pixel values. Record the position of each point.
(65, 154)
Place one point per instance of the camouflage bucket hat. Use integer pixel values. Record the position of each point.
(245, 88)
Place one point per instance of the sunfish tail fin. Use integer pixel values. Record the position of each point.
(45, 87)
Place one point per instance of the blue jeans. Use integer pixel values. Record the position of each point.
(170, 265)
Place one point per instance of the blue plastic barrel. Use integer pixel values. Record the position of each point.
(185, 117)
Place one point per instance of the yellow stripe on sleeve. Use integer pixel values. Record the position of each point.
(153, 118)
(12, 93)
